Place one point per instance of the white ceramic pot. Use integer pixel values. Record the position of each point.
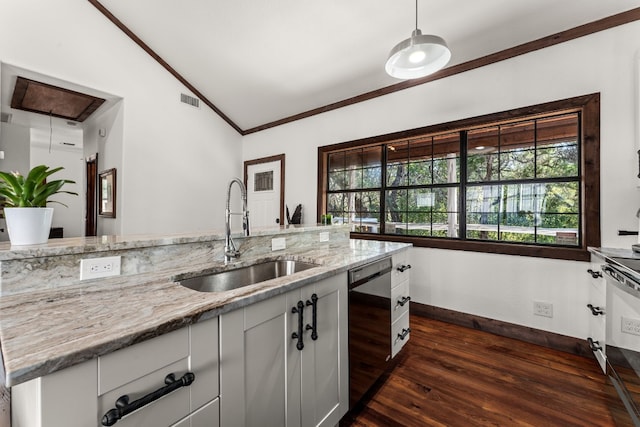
(28, 226)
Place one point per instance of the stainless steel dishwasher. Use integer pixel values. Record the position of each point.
(369, 326)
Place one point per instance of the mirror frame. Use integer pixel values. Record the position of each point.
(107, 190)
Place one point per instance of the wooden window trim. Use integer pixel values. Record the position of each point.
(588, 105)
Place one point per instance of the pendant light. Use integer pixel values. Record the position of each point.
(417, 56)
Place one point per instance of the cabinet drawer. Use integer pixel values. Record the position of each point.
(398, 328)
(399, 270)
(164, 411)
(399, 301)
(131, 363)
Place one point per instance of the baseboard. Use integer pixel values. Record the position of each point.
(551, 340)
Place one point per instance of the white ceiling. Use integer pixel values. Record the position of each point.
(259, 61)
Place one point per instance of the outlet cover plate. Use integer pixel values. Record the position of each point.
(324, 236)
(278, 244)
(544, 309)
(94, 268)
(631, 326)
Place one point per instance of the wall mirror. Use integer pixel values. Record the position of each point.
(108, 193)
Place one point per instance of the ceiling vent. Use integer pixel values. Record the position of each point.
(5, 117)
(190, 100)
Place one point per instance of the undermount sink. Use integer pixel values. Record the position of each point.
(245, 276)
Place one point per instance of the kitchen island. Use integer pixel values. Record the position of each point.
(50, 320)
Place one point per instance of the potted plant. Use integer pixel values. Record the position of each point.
(26, 213)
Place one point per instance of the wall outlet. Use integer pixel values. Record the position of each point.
(93, 268)
(631, 326)
(324, 236)
(278, 244)
(544, 309)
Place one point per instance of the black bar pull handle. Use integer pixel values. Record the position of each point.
(402, 335)
(314, 317)
(627, 233)
(638, 163)
(299, 308)
(594, 274)
(401, 302)
(595, 310)
(593, 345)
(403, 267)
(123, 407)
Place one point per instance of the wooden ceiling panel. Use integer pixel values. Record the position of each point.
(42, 98)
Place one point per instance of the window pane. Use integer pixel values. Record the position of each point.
(482, 154)
(396, 204)
(517, 151)
(558, 197)
(557, 139)
(419, 168)
(354, 179)
(371, 177)
(336, 161)
(337, 180)
(446, 162)
(397, 164)
(483, 203)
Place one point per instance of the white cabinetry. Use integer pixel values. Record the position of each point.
(400, 297)
(596, 309)
(273, 373)
(82, 394)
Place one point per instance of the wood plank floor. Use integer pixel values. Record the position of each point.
(448, 375)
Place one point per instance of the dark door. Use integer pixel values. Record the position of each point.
(91, 219)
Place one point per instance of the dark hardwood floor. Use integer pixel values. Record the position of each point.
(449, 375)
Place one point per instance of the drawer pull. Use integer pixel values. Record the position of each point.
(402, 335)
(403, 267)
(401, 302)
(595, 310)
(299, 308)
(314, 317)
(123, 407)
(594, 274)
(594, 345)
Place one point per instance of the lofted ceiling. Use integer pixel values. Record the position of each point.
(259, 63)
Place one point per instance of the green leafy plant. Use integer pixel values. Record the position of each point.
(33, 190)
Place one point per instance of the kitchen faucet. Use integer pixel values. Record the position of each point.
(230, 250)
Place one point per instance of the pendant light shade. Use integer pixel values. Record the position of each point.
(417, 56)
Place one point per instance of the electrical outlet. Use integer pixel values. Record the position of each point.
(631, 326)
(93, 268)
(324, 236)
(278, 244)
(544, 309)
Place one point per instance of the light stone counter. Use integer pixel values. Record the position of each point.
(45, 328)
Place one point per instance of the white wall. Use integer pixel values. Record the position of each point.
(71, 217)
(496, 286)
(174, 157)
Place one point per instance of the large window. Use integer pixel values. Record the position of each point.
(522, 182)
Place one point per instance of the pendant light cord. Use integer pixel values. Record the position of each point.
(416, 14)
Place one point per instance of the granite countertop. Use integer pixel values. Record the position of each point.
(43, 331)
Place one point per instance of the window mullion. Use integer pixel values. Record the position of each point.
(462, 189)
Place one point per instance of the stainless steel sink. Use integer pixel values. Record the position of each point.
(245, 276)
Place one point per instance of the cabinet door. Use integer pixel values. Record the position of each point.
(324, 361)
(253, 365)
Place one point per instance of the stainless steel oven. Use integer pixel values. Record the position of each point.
(622, 338)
